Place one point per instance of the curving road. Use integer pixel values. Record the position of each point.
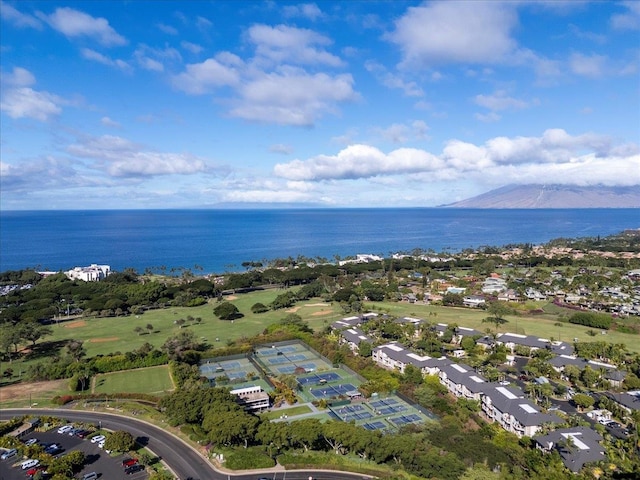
(181, 457)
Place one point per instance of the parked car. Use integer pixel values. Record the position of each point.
(133, 469)
(128, 462)
(83, 433)
(31, 441)
(29, 464)
(97, 438)
(32, 471)
(9, 454)
(65, 428)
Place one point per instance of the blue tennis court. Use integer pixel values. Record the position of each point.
(292, 368)
(267, 352)
(319, 378)
(377, 425)
(385, 402)
(406, 419)
(356, 416)
(332, 390)
(391, 410)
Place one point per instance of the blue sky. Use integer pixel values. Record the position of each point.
(161, 104)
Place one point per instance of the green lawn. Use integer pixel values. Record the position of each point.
(290, 412)
(152, 380)
(108, 335)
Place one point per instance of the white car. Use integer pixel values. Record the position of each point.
(65, 428)
(31, 441)
(98, 438)
(29, 464)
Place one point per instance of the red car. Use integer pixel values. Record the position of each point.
(32, 471)
(128, 462)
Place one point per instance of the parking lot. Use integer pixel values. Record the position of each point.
(96, 460)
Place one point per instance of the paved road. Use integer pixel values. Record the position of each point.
(181, 458)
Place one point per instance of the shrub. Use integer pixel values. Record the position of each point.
(249, 458)
(589, 319)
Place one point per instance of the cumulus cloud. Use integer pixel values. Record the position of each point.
(108, 122)
(17, 18)
(306, 10)
(94, 56)
(74, 23)
(629, 20)
(402, 133)
(49, 172)
(500, 100)
(19, 100)
(292, 97)
(168, 29)
(154, 59)
(392, 80)
(120, 157)
(285, 44)
(191, 47)
(281, 148)
(589, 158)
(205, 77)
(451, 32)
(587, 65)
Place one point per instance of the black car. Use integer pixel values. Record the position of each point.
(133, 469)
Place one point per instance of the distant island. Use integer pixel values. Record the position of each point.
(554, 196)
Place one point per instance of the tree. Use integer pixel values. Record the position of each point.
(497, 311)
(226, 311)
(76, 350)
(583, 401)
(149, 327)
(138, 330)
(180, 322)
(119, 441)
(178, 344)
(365, 349)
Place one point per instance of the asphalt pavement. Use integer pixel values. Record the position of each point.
(182, 459)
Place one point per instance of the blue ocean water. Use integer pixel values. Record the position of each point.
(220, 240)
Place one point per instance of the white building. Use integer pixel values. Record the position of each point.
(252, 398)
(92, 273)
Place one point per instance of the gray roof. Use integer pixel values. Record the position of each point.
(511, 400)
(631, 399)
(397, 352)
(462, 374)
(525, 340)
(468, 332)
(354, 336)
(584, 446)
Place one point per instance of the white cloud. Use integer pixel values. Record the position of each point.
(48, 172)
(168, 29)
(19, 77)
(191, 47)
(284, 44)
(630, 20)
(305, 10)
(74, 23)
(108, 122)
(453, 32)
(402, 133)
(587, 65)
(588, 158)
(488, 117)
(17, 18)
(154, 59)
(390, 80)
(92, 55)
(24, 102)
(199, 78)
(281, 148)
(120, 157)
(292, 97)
(500, 100)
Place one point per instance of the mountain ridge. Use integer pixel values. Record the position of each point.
(553, 196)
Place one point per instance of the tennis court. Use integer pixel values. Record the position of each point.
(319, 378)
(234, 371)
(406, 419)
(327, 391)
(292, 368)
(376, 425)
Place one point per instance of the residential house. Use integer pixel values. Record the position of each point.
(462, 381)
(630, 401)
(92, 273)
(474, 301)
(493, 285)
(577, 446)
(515, 413)
(352, 337)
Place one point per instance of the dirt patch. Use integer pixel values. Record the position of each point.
(231, 298)
(317, 305)
(24, 391)
(76, 324)
(322, 313)
(293, 310)
(104, 339)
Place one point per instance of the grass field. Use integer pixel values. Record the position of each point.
(152, 380)
(116, 334)
(290, 412)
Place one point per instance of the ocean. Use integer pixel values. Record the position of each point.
(219, 241)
